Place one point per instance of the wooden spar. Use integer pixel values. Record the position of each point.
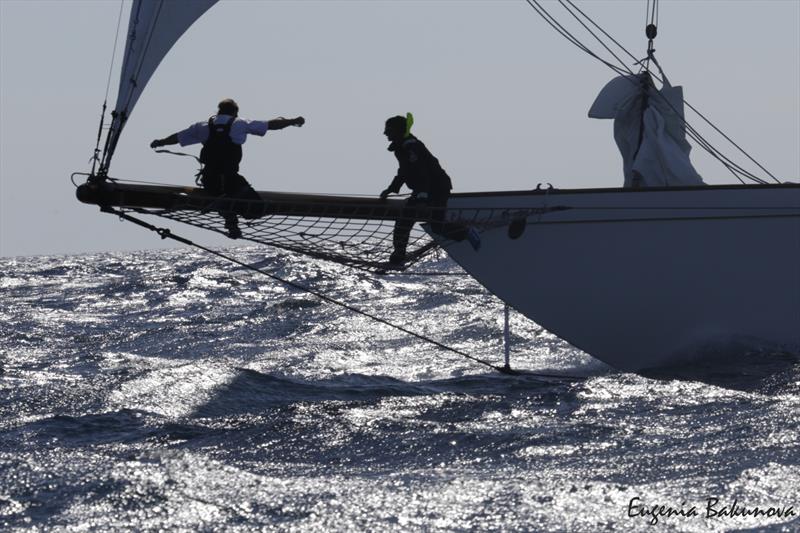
(174, 198)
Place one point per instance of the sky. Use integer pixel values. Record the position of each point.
(497, 95)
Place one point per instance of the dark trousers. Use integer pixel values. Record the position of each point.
(237, 196)
(437, 202)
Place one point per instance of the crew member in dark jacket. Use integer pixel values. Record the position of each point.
(430, 185)
(222, 137)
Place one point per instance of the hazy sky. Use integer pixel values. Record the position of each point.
(497, 95)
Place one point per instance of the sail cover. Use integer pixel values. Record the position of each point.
(154, 26)
(650, 132)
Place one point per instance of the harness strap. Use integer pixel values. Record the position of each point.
(215, 129)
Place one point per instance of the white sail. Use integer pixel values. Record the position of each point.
(154, 26)
(649, 130)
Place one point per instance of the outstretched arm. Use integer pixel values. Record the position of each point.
(172, 139)
(280, 122)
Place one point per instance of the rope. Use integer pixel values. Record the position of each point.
(114, 50)
(599, 40)
(604, 32)
(179, 153)
(693, 133)
(734, 168)
(654, 17)
(96, 156)
(542, 12)
(165, 233)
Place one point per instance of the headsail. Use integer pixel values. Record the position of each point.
(154, 26)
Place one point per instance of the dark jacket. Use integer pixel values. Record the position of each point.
(418, 169)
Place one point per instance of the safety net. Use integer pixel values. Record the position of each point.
(330, 234)
(361, 232)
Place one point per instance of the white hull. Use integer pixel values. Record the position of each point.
(646, 278)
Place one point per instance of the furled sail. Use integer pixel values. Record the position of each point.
(649, 129)
(154, 26)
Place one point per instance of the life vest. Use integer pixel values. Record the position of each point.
(220, 154)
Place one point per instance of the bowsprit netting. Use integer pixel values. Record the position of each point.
(355, 231)
(359, 243)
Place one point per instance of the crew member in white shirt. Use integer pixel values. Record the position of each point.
(222, 137)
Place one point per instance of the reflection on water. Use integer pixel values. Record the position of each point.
(167, 390)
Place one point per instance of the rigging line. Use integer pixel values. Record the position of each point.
(577, 43)
(658, 9)
(722, 158)
(599, 40)
(604, 32)
(690, 106)
(713, 151)
(707, 146)
(651, 19)
(96, 156)
(567, 35)
(542, 12)
(693, 133)
(697, 137)
(733, 167)
(114, 50)
(716, 154)
(166, 233)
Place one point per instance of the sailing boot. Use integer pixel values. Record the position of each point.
(397, 258)
(232, 225)
(402, 231)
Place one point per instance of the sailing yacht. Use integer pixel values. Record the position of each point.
(661, 270)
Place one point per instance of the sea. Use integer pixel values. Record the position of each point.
(174, 390)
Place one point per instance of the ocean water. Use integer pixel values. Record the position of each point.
(172, 390)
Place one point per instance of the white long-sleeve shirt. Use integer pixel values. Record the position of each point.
(240, 129)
